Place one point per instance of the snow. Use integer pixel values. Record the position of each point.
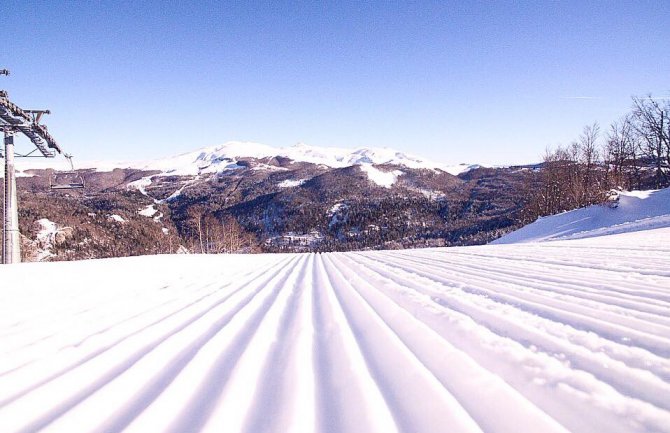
(384, 179)
(636, 210)
(45, 238)
(225, 156)
(117, 218)
(47, 230)
(141, 185)
(148, 211)
(337, 214)
(430, 194)
(460, 168)
(288, 183)
(179, 191)
(267, 167)
(337, 207)
(570, 335)
(190, 164)
(341, 157)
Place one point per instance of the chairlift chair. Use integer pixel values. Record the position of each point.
(67, 179)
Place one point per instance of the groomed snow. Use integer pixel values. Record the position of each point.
(536, 337)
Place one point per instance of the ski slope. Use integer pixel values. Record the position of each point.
(536, 337)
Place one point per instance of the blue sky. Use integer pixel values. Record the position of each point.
(491, 82)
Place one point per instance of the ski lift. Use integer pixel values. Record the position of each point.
(67, 179)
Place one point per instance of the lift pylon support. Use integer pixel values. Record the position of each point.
(11, 246)
(13, 120)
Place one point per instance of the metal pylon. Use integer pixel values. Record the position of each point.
(15, 120)
(11, 246)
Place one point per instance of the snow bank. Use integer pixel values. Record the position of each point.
(637, 210)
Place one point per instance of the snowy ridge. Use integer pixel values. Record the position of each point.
(635, 210)
(224, 157)
(542, 337)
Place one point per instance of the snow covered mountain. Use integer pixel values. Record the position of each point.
(226, 156)
(220, 158)
(630, 211)
(277, 196)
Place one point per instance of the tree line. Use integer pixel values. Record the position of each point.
(633, 153)
(206, 233)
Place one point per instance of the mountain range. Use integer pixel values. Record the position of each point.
(214, 159)
(299, 198)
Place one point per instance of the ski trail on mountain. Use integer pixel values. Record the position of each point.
(501, 329)
(497, 339)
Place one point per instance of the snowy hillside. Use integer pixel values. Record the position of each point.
(538, 337)
(636, 210)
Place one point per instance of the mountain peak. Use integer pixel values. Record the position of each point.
(225, 156)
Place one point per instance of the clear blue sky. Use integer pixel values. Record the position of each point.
(492, 82)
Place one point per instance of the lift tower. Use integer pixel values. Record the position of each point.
(14, 120)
